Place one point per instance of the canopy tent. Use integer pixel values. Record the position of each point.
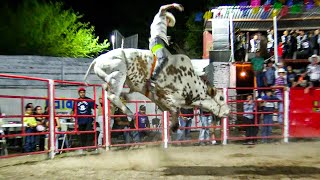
(247, 20)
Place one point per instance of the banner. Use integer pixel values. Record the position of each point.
(284, 11)
(255, 10)
(255, 3)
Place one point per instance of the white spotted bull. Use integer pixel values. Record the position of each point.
(177, 85)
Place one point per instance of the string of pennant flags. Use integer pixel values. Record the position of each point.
(270, 8)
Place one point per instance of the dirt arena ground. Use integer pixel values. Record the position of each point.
(264, 161)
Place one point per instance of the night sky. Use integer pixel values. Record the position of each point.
(129, 17)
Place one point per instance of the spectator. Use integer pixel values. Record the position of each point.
(255, 43)
(291, 76)
(313, 70)
(302, 80)
(32, 107)
(258, 64)
(267, 117)
(57, 129)
(31, 123)
(248, 117)
(285, 40)
(100, 122)
(269, 77)
(279, 66)
(84, 107)
(40, 139)
(293, 45)
(185, 121)
(303, 46)
(260, 108)
(316, 42)
(280, 84)
(204, 134)
(143, 122)
(240, 45)
(206, 119)
(121, 122)
(270, 43)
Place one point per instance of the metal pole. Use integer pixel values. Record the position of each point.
(165, 129)
(286, 117)
(51, 119)
(275, 37)
(231, 36)
(225, 120)
(106, 119)
(113, 38)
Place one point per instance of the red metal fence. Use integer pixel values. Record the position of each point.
(300, 121)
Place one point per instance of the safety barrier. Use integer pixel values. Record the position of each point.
(52, 133)
(6, 134)
(227, 129)
(72, 127)
(263, 121)
(131, 134)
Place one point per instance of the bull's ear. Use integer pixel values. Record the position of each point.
(212, 91)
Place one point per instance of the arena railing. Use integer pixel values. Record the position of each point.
(257, 115)
(75, 116)
(167, 137)
(133, 129)
(22, 125)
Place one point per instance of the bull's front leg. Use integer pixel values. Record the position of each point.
(174, 120)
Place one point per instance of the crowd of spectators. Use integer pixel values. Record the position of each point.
(272, 78)
(293, 44)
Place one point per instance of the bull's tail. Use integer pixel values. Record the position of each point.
(88, 71)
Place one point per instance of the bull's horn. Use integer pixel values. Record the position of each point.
(211, 91)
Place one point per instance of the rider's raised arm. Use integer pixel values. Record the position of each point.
(164, 8)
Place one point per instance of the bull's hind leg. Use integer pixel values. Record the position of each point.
(174, 120)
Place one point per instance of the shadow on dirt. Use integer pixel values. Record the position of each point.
(302, 171)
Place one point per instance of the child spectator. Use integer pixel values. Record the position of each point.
(31, 123)
(248, 117)
(280, 84)
(40, 139)
(291, 76)
(143, 122)
(267, 118)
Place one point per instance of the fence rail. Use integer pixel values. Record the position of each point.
(192, 126)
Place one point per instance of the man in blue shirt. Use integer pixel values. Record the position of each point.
(84, 106)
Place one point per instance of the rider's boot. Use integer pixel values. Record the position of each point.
(160, 64)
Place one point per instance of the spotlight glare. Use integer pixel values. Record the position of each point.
(243, 74)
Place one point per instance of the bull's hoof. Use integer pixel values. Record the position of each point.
(174, 127)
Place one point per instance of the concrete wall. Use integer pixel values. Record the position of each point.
(70, 69)
(57, 68)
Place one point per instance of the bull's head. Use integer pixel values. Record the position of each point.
(217, 104)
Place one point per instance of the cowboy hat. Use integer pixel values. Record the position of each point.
(172, 19)
(281, 70)
(313, 56)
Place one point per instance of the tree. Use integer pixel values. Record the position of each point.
(193, 42)
(39, 28)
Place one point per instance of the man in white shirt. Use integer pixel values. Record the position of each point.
(255, 43)
(159, 40)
